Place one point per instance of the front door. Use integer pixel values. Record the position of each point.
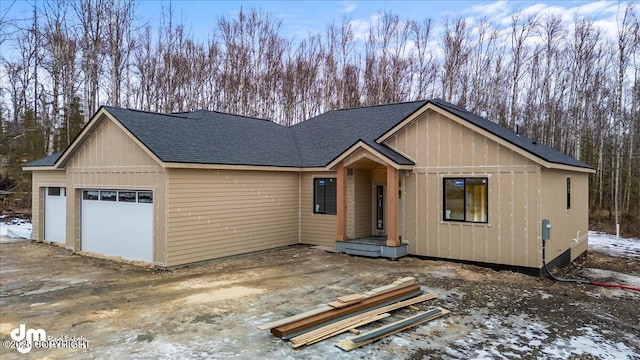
(379, 210)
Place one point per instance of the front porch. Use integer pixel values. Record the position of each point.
(368, 201)
(373, 246)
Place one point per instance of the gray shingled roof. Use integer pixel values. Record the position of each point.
(210, 137)
(45, 161)
(324, 137)
(523, 142)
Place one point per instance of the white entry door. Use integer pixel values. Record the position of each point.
(55, 214)
(118, 223)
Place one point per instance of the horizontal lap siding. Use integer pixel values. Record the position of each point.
(362, 203)
(317, 229)
(443, 148)
(217, 213)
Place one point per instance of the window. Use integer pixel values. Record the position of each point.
(568, 193)
(465, 199)
(127, 196)
(108, 195)
(145, 197)
(90, 195)
(53, 191)
(324, 195)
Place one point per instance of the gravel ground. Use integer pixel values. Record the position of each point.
(211, 310)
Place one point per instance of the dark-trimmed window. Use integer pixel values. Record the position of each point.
(568, 193)
(465, 199)
(145, 197)
(324, 195)
(127, 196)
(53, 191)
(90, 194)
(108, 195)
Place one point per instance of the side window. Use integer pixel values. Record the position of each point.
(465, 199)
(324, 195)
(568, 193)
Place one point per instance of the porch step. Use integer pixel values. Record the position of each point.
(371, 250)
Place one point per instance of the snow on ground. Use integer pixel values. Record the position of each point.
(15, 229)
(609, 244)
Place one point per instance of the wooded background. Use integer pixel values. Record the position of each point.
(567, 85)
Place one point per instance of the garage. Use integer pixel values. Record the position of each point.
(55, 214)
(118, 223)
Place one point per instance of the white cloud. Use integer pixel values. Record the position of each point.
(349, 8)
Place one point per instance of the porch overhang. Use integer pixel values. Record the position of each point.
(371, 151)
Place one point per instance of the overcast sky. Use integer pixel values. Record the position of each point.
(300, 18)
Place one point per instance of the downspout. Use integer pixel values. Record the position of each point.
(299, 207)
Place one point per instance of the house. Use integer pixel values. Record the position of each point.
(425, 178)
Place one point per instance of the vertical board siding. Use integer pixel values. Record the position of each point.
(217, 213)
(40, 180)
(317, 229)
(110, 159)
(363, 202)
(570, 226)
(443, 148)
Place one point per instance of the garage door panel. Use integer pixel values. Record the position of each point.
(55, 214)
(118, 228)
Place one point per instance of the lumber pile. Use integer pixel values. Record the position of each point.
(347, 313)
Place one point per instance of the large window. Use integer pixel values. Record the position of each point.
(324, 195)
(465, 199)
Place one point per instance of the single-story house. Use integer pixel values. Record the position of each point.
(425, 178)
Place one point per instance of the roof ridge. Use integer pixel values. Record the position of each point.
(225, 113)
(377, 105)
(144, 111)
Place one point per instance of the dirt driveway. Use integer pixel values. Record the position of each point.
(211, 310)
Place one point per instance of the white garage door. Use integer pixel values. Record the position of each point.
(118, 223)
(55, 214)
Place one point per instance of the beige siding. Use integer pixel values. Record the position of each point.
(216, 213)
(317, 229)
(40, 180)
(110, 159)
(569, 226)
(443, 148)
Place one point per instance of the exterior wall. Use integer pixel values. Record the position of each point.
(443, 148)
(217, 213)
(40, 180)
(569, 227)
(362, 203)
(110, 159)
(317, 229)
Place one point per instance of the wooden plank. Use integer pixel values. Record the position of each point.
(348, 344)
(351, 298)
(293, 318)
(331, 331)
(346, 322)
(413, 307)
(354, 331)
(291, 328)
(338, 304)
(406, 281)
(400, 283)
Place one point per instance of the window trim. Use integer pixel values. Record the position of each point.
(313, 202)
(464, 199)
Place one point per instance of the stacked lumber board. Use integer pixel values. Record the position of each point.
(349, 312)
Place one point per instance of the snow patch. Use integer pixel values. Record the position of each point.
(609, 244)
(16, 229)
